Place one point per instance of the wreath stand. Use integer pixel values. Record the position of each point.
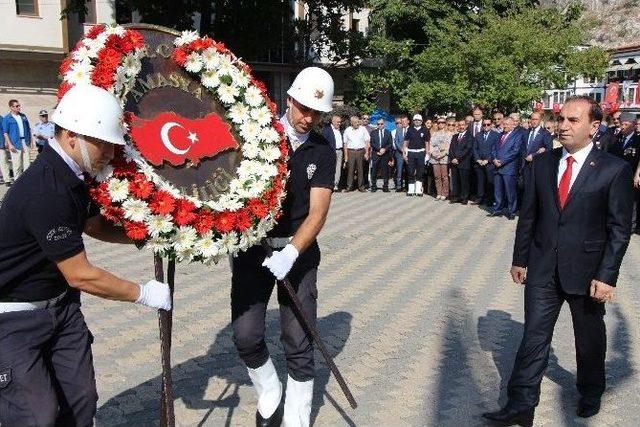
(165, 323)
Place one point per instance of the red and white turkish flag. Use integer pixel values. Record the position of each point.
(176, 139)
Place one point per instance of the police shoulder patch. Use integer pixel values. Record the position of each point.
(58, 233)
(5, 378)
(311, 169)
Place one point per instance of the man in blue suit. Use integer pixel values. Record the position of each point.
(538, 140)
(483, 165)
(505, 158)
(398, 142)
(17, 138)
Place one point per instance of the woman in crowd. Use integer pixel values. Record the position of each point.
(438, 157)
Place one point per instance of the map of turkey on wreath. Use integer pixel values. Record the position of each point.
(176, 139)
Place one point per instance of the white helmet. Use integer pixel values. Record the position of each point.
(417, 117)
(91, 111)
(313, 88)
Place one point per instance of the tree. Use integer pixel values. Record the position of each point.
(447, 56)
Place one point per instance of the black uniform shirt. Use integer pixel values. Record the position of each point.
(417, 138)
(41, 221)
(313, 164)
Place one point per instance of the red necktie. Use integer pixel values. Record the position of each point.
(502, 138)
(565, 182)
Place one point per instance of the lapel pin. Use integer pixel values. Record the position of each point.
(592, 164)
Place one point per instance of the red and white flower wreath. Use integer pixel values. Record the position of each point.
(152, 211)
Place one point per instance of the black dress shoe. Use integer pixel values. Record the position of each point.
(464, 202)
(511, 217)
(374, 189)
(588, 407)
(275, 420)
(399, 190)
(509, 416)
(494, 214)
(385, 190)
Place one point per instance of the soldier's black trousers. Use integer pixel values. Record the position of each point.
(251, 288)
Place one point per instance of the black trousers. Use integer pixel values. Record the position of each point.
(415, 166)
(46, 368)
(460, 182)
(251, 288)
(484, 181)
(380, 162)
(542, 303)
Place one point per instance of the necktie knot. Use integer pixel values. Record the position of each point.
(570, 160)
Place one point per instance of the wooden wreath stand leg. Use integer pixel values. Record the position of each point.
(165, 319)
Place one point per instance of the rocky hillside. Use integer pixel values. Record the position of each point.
(612, 23)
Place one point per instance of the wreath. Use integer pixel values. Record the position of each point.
(152, 211)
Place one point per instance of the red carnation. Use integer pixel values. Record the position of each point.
(64, 88)
(65, 66)
(109, 58)
(257, 208)
(277, 126)
(162, 203)
(102, 77)
(94, 31)
(113, 214)
(135, 38)
(141, 187)
(185, 205)
(183, 217)
(135, 230)
(179, 56)
(243, 220)
(224, 221)
(101, 194)
(204, 222)
(199, 45)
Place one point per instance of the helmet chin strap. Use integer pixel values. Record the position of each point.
(86, 160)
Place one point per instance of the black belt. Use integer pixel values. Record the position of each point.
(355, 149)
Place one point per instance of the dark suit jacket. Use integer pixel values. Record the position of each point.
(483, 147)
(461, 149)
(603, 139)
(588, 238)
(327, 132)
(386, 143)
(630, 152)
(542, 139)
(508, 153)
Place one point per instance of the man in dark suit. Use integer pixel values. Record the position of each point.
(505, 158)
(537, 141)
(573, 232)
(333, 134)
(460, 154)
(483, 165)
(603, 138)
(381, 146)
(627, 147)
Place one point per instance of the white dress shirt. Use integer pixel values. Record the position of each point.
(53, 143)
(356, 139)
(18, 119)
(579, 157)
(338, 136)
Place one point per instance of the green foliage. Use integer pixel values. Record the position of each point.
(493, 53)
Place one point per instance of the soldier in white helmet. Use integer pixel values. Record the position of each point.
(46, 366)
(296, 254)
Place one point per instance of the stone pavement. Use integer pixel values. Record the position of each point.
(415, 304)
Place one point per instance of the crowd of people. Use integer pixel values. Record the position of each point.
(480, 159)
(18, 141)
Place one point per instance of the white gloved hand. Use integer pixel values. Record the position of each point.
(280, 262)
(155, 294)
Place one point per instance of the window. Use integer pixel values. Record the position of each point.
(598, 97)
(355, 24)
(27, 7)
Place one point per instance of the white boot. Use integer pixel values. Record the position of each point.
(297, 403)
(411, 190)
(419, 188)
(265, 380)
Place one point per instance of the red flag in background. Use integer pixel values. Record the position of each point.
(611, 94)
(176, 139)
(637, 100)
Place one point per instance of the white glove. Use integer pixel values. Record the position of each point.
(280, 262)
(155, 294)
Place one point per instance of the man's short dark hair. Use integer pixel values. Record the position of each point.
(57, 130)
(12, 101)
(595, 112)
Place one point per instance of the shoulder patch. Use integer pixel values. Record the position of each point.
(311, 169)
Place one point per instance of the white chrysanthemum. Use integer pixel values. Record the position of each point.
(185, 238)
(261, 115)
(241, 79)
(229, 202)
(120, 80)
(80, 73)
(159, 224)
(158, 244)
(185, 255)
(249, 168)
(211, 58)
(225, 67)
(185, 38)
(81, 54)
(253, 97)
(246, 240)
(206, 246)
(118, 189)
(114, 29)
(239, 113)
(136, 210)
(228, 93)
(101, 38)
(131, 64)
(193, 63)
(250, 150)
(228, 242)
(250, 130)
(214, 205)
(269, 153)
(210, 79)
(269, 135)
(94, 46)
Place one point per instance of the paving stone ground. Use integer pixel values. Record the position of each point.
(415, 305)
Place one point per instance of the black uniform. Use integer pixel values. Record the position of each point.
(311, 165)
(416, 139)
(46, 365)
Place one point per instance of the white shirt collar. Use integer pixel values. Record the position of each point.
(53, 143)
(579, 156)
(296, 139)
